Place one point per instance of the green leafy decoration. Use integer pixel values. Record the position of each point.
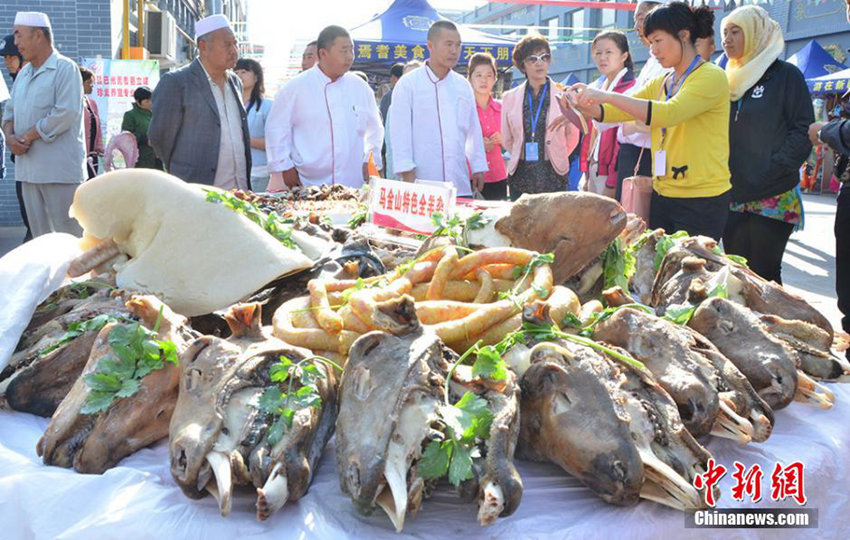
(619, 265)
(78, 328)
(272, 223)
(358, 218)
(281, 406)
(681, 314)
(489, 364)
(454, 226)
(664, 244)
(136, 352)
(467, 422)
(734, 258)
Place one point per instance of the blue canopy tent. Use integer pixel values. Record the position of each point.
(834, 83)
(813, 61)
(399, 35)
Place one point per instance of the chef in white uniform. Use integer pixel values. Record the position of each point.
(324, 123)
(433, 120)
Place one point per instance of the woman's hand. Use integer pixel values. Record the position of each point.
(496, 138)
(573, 97)
(488, 144)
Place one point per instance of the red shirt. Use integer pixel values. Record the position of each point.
(491, 122)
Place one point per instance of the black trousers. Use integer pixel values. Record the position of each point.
(626, 161)
(496, 191)
(23, 209)
(842, 256)
(697, 215)
(760, 239)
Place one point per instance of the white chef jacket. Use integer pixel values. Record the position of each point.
(435, 129)
(651, 70)
(325, 129)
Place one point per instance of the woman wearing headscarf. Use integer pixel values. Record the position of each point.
(768, 140)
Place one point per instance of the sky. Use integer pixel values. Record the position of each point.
(281, 24)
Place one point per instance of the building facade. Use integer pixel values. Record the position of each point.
(91, 28)
(801, 21)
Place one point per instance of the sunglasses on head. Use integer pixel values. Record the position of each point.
(534, 59)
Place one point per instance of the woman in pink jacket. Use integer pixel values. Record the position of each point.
(600, 149)
(533, 129)
(91, 124)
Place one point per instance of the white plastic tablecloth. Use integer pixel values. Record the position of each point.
(139, 499)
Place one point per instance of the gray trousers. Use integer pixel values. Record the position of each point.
(47, 208)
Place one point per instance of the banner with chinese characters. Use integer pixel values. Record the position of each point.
(390, 53)
(407, 206)
(834, 83)
(114, 84)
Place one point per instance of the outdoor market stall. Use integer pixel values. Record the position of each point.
(348, 371)
(399, 35)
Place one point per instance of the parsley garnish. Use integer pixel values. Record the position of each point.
(272, 223)
(358, 218)
(664, 244)
(681, 314)
(283, 406)
(78, 328)
(136, 352)
(734, 258)
(619, 265)
(467, 421)
(455, 227)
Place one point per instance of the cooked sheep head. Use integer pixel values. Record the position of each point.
(222, 435)
(401, 380)
(51, 356)
(610, 425)
(98, 424)
(712, 395)
(769, 364)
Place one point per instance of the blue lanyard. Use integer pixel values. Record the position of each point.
(668, 92)
(536, 116)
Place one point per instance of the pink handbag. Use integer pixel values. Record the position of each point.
(637, 193)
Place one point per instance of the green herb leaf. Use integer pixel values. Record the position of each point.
(460, 468)
(489, 364)
(618, 264)
(358, 218)
(435, 460)
(279, 372)
(275, 433)
(97, 402)
(270, 400)
(103, 382)
(664, 244)
(474, 418)
(272, 223)
(679, 314)
(128, 388)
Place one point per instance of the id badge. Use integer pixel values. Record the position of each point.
(532, 151)
(659, 164)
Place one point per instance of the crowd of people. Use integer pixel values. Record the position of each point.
(722, 145)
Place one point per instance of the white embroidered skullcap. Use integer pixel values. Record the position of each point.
(32, 18)
(211, 24)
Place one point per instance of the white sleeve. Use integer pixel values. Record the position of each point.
(279, 130)
(374, 136)
(401, 126)
(475, 139)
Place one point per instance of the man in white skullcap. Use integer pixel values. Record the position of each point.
(199, 128)
(43, 123)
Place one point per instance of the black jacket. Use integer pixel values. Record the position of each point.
(836, 135)
(768, 134)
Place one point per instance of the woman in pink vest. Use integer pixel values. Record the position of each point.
(533, 129)
(600, 149)
(91, 124)
(482, 76)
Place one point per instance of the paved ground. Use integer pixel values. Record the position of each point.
(808, 268)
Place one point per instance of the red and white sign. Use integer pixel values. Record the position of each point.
(409, 207)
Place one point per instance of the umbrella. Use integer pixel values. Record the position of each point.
(399, 35)
(813, 61)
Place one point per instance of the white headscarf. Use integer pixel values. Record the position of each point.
(763, 44)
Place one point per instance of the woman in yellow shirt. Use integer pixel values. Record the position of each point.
(688, 114)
